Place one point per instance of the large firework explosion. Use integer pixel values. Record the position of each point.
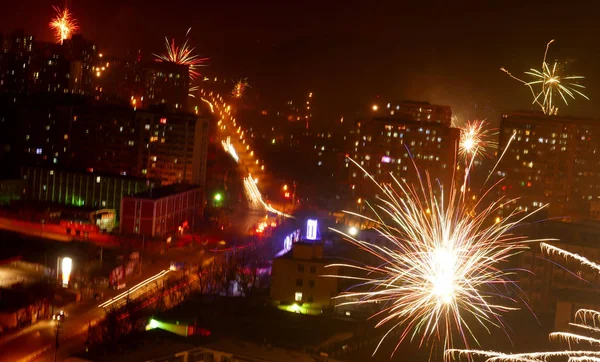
(440, 262)
(586, 321)
(63, 24)
(183, 55)
(551, 83)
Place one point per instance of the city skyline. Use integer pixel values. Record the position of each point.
(443, 54)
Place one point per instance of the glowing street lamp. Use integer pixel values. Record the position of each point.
(67, 266)
(218, 197)
(352, 231)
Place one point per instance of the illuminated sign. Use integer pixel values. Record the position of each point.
(386, 159)
(163, 121)
(311, 229)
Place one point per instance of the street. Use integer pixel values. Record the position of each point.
(37, 341)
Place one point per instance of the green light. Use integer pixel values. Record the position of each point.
(153, 324)
(218, 197)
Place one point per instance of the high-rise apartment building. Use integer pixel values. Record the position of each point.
(394, 144)
(173, 147)
(170, 147)
(552, 161)
(416, 111)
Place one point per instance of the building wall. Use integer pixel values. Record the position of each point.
(389, 145)
(160, 217)
(78, 188)
(303, 275)
(173, 147)
(551, 161)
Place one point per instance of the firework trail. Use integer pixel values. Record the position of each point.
(183, 55)
(585, 319)
(63, 24)
(442, 262)
(240, 88)
(551, 83)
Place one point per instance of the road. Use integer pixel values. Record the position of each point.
(37, 342)
(53, 232)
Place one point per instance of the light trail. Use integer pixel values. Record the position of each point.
(133, 289)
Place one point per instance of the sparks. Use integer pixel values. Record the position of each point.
(240, 88)
(476, 139)
(183, 55)
(63, 24)
(585, 320)
(440, 262)
(551, 83)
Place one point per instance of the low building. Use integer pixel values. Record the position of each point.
(297, 281)
(162, 211)
(76, 188)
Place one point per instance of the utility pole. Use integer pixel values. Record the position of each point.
(58, 318)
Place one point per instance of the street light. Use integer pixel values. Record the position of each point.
(352, 231)
(285, 187)
(218, 197)
(67, 266)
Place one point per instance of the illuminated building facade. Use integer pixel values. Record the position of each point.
(297, 282)
(89, 189)
(28, 67)
(551, 161)
(162, 211)
(416, 111)
(391, 144)
(161, 83)
(173, 147)
(114, 139)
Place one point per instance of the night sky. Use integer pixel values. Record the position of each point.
(446, 52)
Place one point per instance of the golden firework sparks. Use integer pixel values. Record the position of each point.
(476, 139)
(63, 24)
(551, 83)
(442, 260)
(586, 320)
(183, 55)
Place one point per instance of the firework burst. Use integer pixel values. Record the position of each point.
(476, 139)
(239, 88)
(439, 265)
(63, 24)
(586, 320)
(183, 55)
(551, 83)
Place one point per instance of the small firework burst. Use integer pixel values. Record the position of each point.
(476, 139)
(63, 24)
(551, 83)
(239, 88)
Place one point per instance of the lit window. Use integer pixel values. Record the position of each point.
(298, 297)
(97, 179)
(38, 151)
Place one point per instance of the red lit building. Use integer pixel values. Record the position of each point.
(162, 211)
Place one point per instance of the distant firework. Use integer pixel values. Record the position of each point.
(183, 55)
(439, 259)
(476, 139)
(586, 323)
(550, 83)
(240, 88)
(63, 25)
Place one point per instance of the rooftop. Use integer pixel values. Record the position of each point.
(165, 191)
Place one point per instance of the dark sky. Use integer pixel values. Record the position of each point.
(346, 52)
